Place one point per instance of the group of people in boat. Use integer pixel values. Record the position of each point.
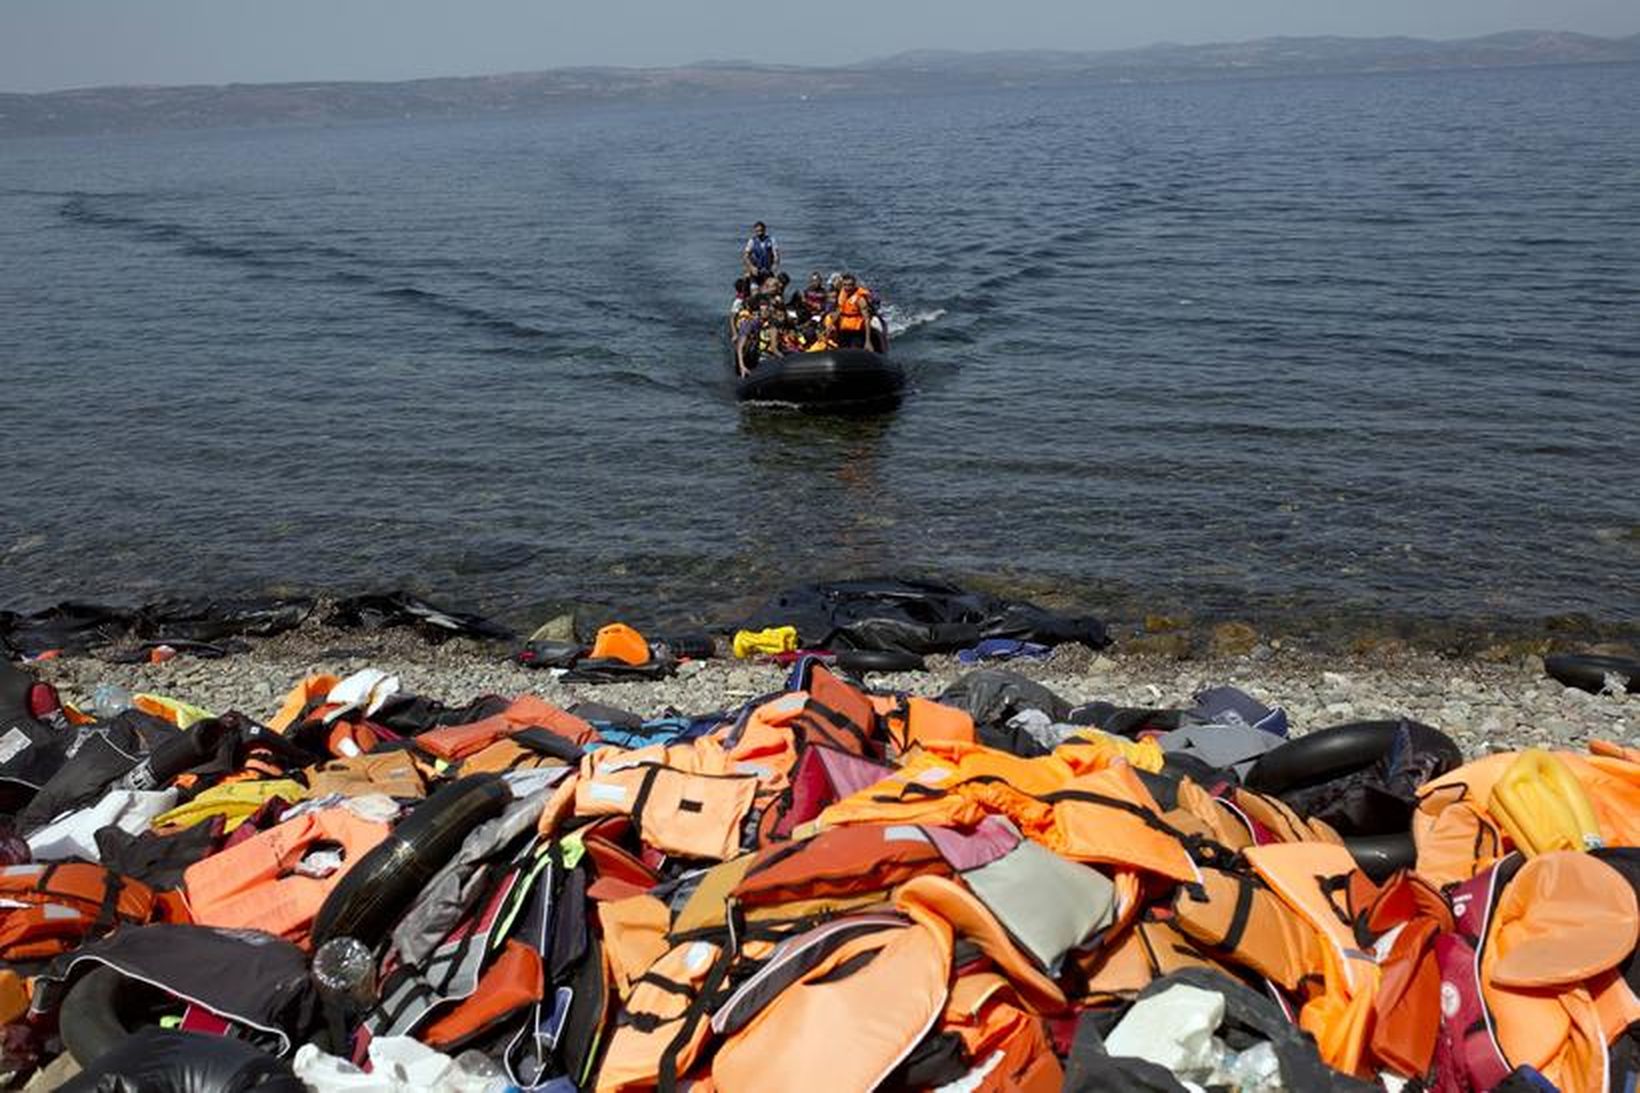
(839, 313)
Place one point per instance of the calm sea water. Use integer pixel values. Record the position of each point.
(1355, 347)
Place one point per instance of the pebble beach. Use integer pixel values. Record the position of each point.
(1497, 699)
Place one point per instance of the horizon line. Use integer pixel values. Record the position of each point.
(845, 65)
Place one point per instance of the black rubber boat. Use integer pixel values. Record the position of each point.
(833, 381)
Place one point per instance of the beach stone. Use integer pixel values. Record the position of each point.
(54, 1075)
(1232, 639)
(1165, 624)
(558, 628)
(1378, 645)
(1504, 652)
(1174, 646)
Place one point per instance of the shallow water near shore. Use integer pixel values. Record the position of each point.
(1359, 349)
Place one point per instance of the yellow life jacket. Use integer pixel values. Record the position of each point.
(1459, 837)
(235, 802)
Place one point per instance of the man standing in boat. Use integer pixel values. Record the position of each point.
(761, 255)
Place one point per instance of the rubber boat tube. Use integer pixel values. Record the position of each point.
(380, 888)
(837, 380)
(1381, 856)
(1343, 749)
(879, 660)
(1588, 672)
(98, 1015)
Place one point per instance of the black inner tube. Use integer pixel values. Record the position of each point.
(1343, 749)
(378, 890)
(103, 1008)
(879, 660)
(1381, 856)
(1588, 671)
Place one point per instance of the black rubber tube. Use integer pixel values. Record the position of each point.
(696, 645)
(1343, 749)
(1379, 856)
(377, 891)
(157, 1060)
(91, 1023)
(837, 379)
(1587, 671)
(879, 660)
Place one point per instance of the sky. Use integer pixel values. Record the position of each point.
(52, 44)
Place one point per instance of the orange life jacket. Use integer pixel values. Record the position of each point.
(914, 720)
(62, 904)
(1459, 838)
(1237, 919)
(253, 883)
(777, 735)
(1313, 879)
(302, 700)
(634, 932)
(850, 1020)
(513, 980)
(851, 308)
(1107, 816)
(1551, 969)
(527, 711)
(662, 1027)
(1274, 819)
(619, 872)
(14, 996)
(1150, 947)
(1008, 1045)
(696, 815)
(618, 641)
(844, 861)
(932, 897)
(391, 772)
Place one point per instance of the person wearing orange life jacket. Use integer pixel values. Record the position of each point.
(850, 320)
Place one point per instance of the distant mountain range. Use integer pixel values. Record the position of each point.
(139, 109)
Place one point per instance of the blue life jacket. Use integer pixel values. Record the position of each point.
(761, 252)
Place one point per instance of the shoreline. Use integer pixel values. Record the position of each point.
(1166, 622)
(1502, 701)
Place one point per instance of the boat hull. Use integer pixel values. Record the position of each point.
(837, 380)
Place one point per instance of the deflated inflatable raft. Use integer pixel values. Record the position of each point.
(835, 381)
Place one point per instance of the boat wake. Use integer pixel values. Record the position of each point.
(899, 324)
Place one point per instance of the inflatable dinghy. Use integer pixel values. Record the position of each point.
(836, 380)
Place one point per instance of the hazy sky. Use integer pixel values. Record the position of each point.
(48, 44)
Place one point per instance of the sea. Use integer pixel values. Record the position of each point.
(1355, 352)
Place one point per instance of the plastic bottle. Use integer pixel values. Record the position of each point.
(109, 700)
(345, 972)
(1256, 1070)
(476, 1072)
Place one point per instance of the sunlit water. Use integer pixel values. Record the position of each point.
(1355, 346)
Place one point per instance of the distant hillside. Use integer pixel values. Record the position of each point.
(138, 109)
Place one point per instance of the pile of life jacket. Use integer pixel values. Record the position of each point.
(828, 888)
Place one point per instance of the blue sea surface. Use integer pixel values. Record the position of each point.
(1356, 347)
